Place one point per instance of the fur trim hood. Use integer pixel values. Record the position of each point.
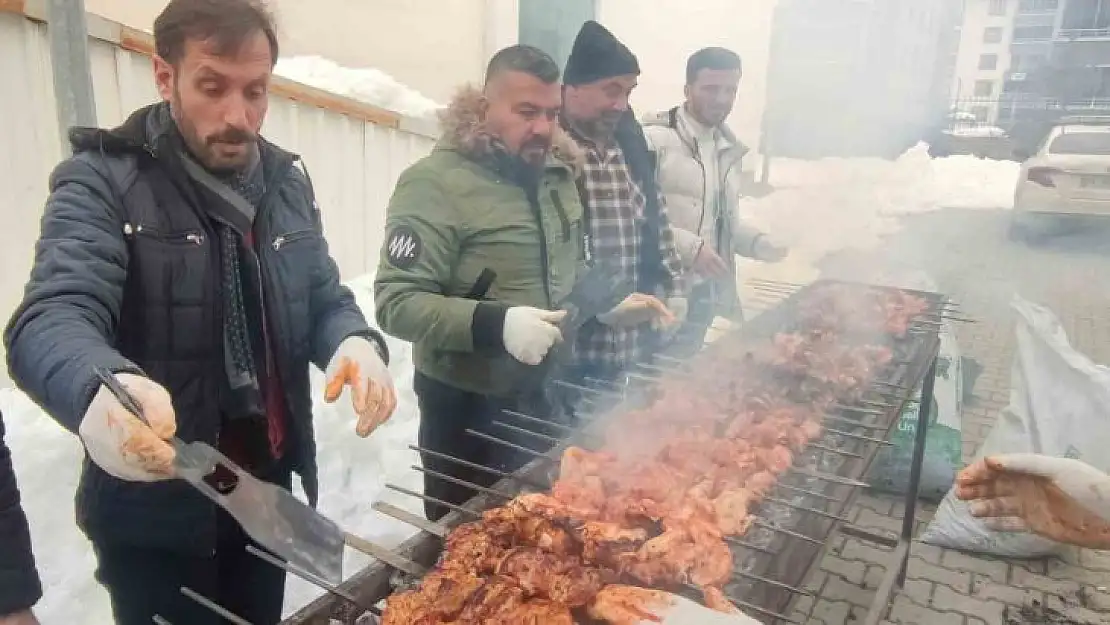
(463, 131)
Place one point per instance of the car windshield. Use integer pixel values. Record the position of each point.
(1079, 142)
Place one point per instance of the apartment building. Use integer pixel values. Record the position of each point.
(1022, 59)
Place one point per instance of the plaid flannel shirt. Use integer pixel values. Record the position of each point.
(616, 212)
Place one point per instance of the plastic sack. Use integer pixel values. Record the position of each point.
(890, 472)
(1059, 404)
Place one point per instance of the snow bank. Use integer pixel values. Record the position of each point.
(829, 205)
(353, 473)
(364, 84)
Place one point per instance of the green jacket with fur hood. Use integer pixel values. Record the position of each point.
(457, 219)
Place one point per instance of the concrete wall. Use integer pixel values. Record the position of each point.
(430, 45)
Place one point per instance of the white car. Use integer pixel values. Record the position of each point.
(1068, 178)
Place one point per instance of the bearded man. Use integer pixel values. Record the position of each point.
(184, 253)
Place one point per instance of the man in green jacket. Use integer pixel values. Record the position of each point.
(483, 241)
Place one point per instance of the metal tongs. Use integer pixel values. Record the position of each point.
(269, 514)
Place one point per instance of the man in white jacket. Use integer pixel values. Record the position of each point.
(699, 172)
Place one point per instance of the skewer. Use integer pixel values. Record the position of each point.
(835, 479)
(429, 498)
(769, 526)
(312, 579)
(827, 515)
(833, 450)
(544, 422)
(472, 465)
(214, 607)
(543, 437)
(747, 545)
(584, 389)
(771, 582)
(808, 493)
(852, 422)
(614, 385)
(158, 620)
(454, 480)
(419, 522)
(858, 410)
(494, 439)
(869, 439)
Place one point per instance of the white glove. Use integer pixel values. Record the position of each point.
(768, 251)
(529, 333)
(358, 365)
(1059, 498)
(678, 307)
(636, 309)
(120, 443)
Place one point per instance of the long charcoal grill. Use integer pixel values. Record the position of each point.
(795, 522)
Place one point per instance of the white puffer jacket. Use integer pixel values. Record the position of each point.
(683, 180)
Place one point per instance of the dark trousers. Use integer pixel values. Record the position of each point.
(144, 582)
(445, 415)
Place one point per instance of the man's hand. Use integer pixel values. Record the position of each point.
(709, 265)
(768, 251)
(358, 365)
(19, 618)
(120, 443)
(529, 333)
(636, 309)
(1061, 499)
(667, 326)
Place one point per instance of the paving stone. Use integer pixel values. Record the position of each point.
(1094, 598)
(947, 599)
(831, 611)
(994, 569)
(839, 589)
(905, 612)
(858, 550)
(1094, 560)
(928, 553)
(868, 518)
(879, 503)
(851, 570)
(1064, 571)
(986, 589)
(919, 591)
(1020, 577)
(957, 580)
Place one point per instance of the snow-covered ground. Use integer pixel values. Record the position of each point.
(820, 207)
(369, 85)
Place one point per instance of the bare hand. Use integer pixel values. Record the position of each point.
(636, 309)
(19, 618)
(1057, 498)
(709, 265)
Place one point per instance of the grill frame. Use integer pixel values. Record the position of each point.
(795, 559)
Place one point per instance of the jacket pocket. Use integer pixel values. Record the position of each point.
(282, 240)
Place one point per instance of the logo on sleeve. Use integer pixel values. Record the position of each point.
(404, 247)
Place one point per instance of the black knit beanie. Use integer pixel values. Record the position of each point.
(597, 55)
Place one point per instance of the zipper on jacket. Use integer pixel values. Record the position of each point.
(558, 202)
(289, 237)
(192, 237)
(534, 202)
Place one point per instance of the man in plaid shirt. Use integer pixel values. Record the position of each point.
(626, 220)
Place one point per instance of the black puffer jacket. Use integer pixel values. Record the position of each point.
(20, 587)
(126, 277)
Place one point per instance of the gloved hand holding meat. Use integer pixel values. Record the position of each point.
(358, 365)
(121, 444)
(1059, 498)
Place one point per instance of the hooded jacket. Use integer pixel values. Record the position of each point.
(683, 178)
(467, 237)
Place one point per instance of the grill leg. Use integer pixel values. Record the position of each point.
(923, 415)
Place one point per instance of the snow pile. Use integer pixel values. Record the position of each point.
(364, 84)
(353, 473)
(828, 205)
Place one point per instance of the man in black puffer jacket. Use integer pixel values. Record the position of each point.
(185, 254)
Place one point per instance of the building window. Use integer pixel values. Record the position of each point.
(1042, 32)
(998, 7)
(992, 34)
(981, 113)
(1038, 6)
(988, 62)
(984, 88)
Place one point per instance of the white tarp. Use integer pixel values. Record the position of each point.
(1059, 406)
